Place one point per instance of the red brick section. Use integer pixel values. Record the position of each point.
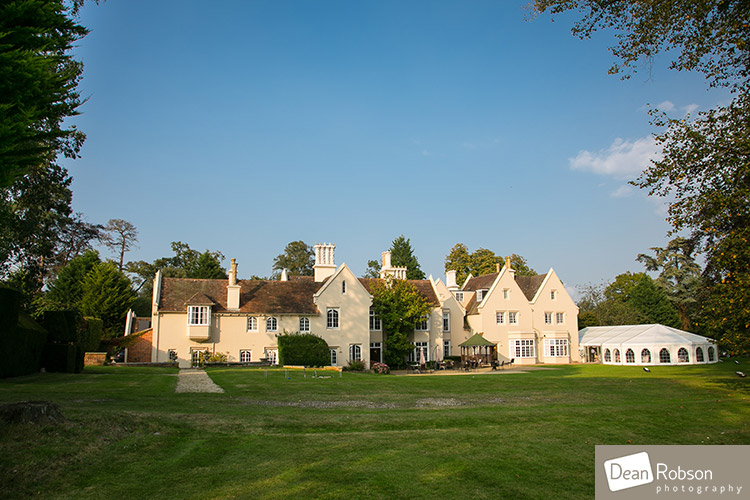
(94, 358)
(140, 352)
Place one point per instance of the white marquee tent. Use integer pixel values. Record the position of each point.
(645, 345)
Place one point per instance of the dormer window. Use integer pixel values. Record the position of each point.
(460, 296)
(480, 295)
(199, 315)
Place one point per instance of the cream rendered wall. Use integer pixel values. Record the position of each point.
(229, 336)
(567, 330)
(457, 333)
(494, 302)
(354, 314)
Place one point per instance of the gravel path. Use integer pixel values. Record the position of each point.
(194, 380)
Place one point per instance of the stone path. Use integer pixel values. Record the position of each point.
(194, 380)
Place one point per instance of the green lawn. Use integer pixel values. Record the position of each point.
(359, 436)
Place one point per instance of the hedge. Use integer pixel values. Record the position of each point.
(21, 337)
(59, 358)
(303, 349)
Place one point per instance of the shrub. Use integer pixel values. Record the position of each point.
(355, 366)
(59, 358)
(381, 368)
(20, 335)
(90, 335)
(303, 349)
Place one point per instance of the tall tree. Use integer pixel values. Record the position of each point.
(66, 291)
(459, 260)
(38, 89)
(402, 255)
(373, 269)
(399, 305)
(653, 303)
(107, 294)
(679, 275)
(705, 164)
(481, 261)
(298, 258)
(710, 36)
(119, 236)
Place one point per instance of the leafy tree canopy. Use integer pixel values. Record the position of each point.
(119, 236)
(373, 269)
(399, 305)
(481, 261)
(710, 36)
(66, 291)
(107, 295)
(298, 259)
(679, 275)
(402, 255)
(38, 89)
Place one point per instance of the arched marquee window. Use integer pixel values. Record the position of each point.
(664, 356)
(710, 353)
(617, 355)
(607, 356)
(629, 356)
(645, 356)
(699, 355)
(683, 356)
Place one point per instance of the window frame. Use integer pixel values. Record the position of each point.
(446, 348)
(254, 326)
(665, 359)
(355, 352)
(272, 324)
(523, 348)
(630, 356)
(199, 315)
(512, 317)
(459, 296)
(249, 352)
(499, 317)
(556, 348)
(645, 358)
(506, 293)
(423, 325)
(334, 357)
(547, 318)
(376, 324)
(560, 318)
(446, 321)
(333, 318)
(304, 324)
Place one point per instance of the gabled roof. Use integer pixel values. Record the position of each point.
(483, 282)
(199, 299)
(260, 296)
(530, 284)
(256, 296)
(424, 287)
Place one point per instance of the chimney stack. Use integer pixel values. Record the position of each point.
(398, 273)
(233, 289)
(324, 261)
(507, 265)
(450, 280)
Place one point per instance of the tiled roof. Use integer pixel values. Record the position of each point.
(483, 282)
(424, 287)
(259, 296)
(530, 284)
(256, 296)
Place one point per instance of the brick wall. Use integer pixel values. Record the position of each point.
(94, 358)
(140, 352)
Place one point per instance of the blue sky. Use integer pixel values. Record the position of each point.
(240, 126)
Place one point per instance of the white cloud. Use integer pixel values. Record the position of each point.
(622, 192)
(665, 106)
(622, 160)
(689, 108)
